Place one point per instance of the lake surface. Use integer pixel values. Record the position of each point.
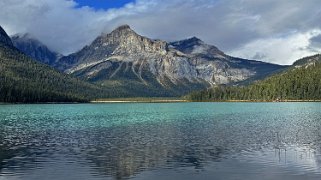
(160, 141)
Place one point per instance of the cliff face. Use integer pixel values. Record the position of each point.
(123, 56)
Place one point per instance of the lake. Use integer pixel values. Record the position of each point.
(160, 141)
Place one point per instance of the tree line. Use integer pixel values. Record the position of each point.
(24, 80)
(296, 83)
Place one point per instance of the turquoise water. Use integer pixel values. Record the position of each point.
(161, 141)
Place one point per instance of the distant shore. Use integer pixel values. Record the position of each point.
(153, 100)
(138, 100)
(160, 100)
(259, 101)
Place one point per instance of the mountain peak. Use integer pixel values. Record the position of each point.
(22, 36)
(123, 30)
(307, 61)
(195, 45)
(124, 40)
(123, 27)
(194, 39)
(189, 42)
(32, 47)
(4, 38)
(26, 38)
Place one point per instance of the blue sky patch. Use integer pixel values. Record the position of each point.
(103, 4)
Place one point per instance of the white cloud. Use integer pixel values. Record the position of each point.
(242, 27)
(282, 49)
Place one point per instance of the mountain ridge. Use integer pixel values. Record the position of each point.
(34, 48)
(125, 64)
(123, 55)
(301, 81)
(4, 38)
(25, 80)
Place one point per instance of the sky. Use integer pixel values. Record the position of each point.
(103, 4)
(276, 31)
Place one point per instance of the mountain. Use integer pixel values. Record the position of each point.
(301, 81)
(4, 38)
(307, 61)
(34, 48)
(197, 47)
(226, 69)
(139, 66)
(25, 80)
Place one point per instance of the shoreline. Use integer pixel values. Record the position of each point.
(188, 101)
(289, 100)
(143, 100)
(140, 101)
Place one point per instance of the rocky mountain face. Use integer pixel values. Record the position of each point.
(301, 81)
(196, 46)
(4, 38)
(307, 61)
(127, 60)
(219, 68)
(34, 48)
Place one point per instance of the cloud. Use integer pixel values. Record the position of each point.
(316, 42)
(270, 30)
(281, 50)
(57, 23)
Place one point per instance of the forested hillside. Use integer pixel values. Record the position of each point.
(300, 82)
(24, 80)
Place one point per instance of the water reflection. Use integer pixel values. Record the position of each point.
(279, 145)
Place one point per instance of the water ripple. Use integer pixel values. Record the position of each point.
(160, 141)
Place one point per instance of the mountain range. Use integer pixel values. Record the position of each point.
(123, 63)
(139, 66)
